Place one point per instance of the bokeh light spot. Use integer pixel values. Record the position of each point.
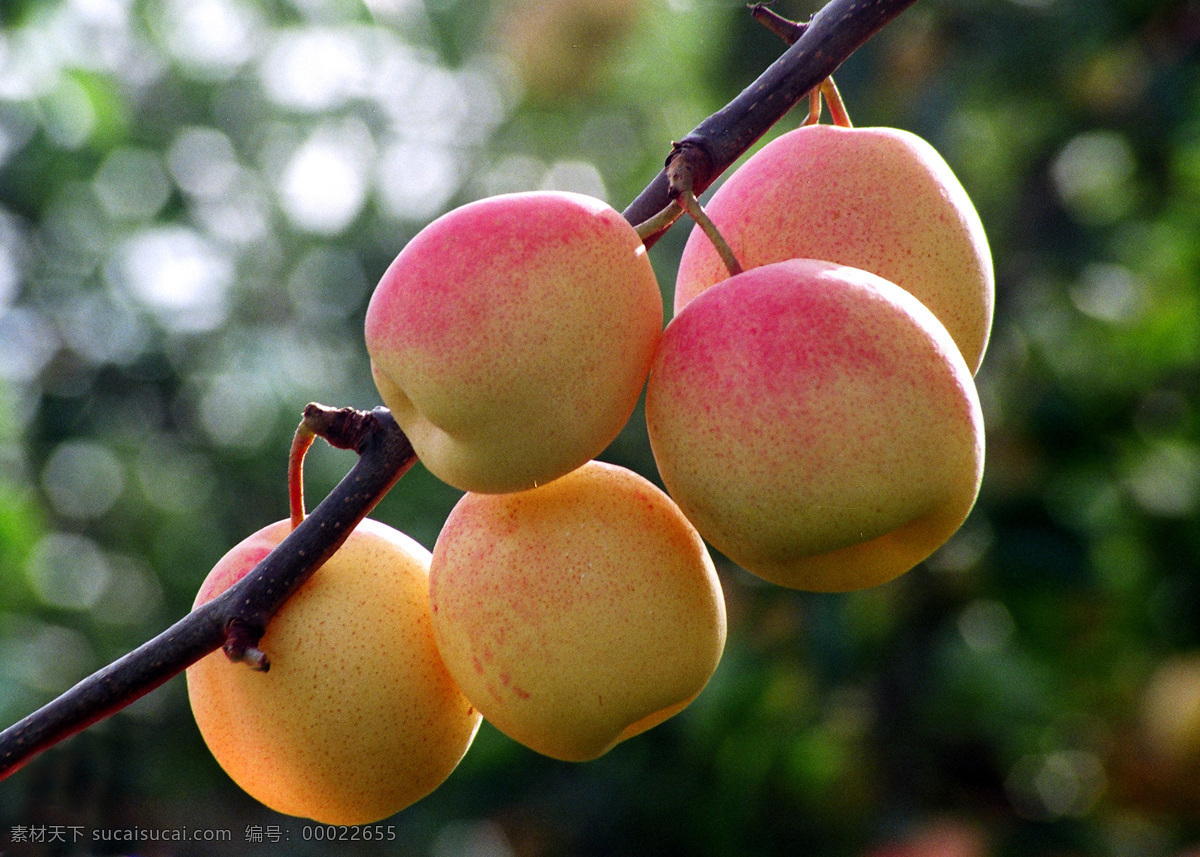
(83, 479)
(212, 38)
(417, 180)
(1165, 480)
(324, 185)
(131, 184)
(27, 343)
(1109, 293)
(68, 571)
(1093, 174)
(986, 625)
(575, 176)
(179, 275)
(202, 162)
(47, 658)
(293, 77)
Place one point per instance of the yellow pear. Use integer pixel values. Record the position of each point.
(357, 717)
(577, 614)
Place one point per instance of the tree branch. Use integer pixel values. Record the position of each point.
(237, 619)
(240, 614)
(824, 43)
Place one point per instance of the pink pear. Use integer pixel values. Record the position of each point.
(816, 423)
(880, 199)
(511, 337)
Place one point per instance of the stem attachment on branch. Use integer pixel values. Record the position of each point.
(838, 29)
(342, 428)
(679, 175)
(789, 31)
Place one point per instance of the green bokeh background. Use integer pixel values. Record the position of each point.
(196, 197)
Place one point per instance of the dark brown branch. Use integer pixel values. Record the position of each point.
(827, 40)
(384, 456)
(238, 618)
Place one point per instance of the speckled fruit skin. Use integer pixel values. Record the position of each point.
(816, 423)
(512, 336)
(578, 614)
(879, 199)
(357, 717)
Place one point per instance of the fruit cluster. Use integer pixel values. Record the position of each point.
(814, 419)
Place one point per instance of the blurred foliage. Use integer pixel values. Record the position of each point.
(196, 197)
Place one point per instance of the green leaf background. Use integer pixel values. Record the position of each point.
(196, 197)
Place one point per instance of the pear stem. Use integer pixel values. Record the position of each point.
(659, 222)
(837, 107)
(814, 108)
(692, 206)
(679, 174)
(301, 442)
(790, 32)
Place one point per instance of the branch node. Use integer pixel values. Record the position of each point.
(241, 646)
(343, 428)
(788, 30)
(691, 154)
(679, 177)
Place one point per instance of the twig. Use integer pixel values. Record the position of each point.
(239, 616)
(679, 177)
(787, 30)
(832, 35)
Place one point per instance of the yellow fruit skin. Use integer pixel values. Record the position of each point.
(816, 423)
(880, 199)
(578, 614)
(357, 717)
(511, 337)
